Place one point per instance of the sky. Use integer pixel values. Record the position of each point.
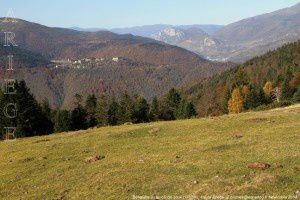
(127, 13)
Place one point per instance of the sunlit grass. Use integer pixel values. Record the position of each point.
(190, 157)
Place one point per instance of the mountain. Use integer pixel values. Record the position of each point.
(87, 29)
(193, 39)
(174, 35)
(256, 35)
(144, 66)
(58, 43)
(150, 30)
(264, 28)
(238, 41)
(143, 31)
(211, 95)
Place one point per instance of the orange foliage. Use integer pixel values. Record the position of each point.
(268, 88)
(236, 103)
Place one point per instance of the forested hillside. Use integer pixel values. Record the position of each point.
(154, 67)
(260, 81)
(21, 58)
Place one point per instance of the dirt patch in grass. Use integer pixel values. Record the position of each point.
(259, 165)
(94, 158)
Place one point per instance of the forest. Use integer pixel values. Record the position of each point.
(34, 119)
(268, 81)
(271, 80)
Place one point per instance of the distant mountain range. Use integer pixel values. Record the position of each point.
(236, 42)
(242, 40)
(149, 30)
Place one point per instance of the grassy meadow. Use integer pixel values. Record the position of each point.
(188, 159)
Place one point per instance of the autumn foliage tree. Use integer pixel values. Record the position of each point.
(236, 102)
(268, 89)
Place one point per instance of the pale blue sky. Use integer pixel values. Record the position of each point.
(125, 13)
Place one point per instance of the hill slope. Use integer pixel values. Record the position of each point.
(254, 36)
(193, 157)
(211, 95)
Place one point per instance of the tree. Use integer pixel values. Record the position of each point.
(78, 115)
(287, 91)
(295, 82)
(46, 109)
(186, 110)
(297, 95)
(126, 108)
(173, 99)
(190, 110)
(170, 105)
(101, 110)
(245, 91)
(113, 112)
(30, 120)
(276, 94)
(78, 119)
(268, 89)
(236, 103)
(4, 121)
(141, 110)
(154, 110)
(90, 107)
(62, 121)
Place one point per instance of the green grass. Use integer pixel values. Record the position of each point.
(190, 157)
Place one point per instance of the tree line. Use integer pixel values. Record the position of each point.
(36, 118)
(280, 93)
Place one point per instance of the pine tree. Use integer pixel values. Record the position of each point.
(141, 110)
(170, 105)
(78, 115)
(30, 120)
(126, 109)
(4, 121)
(154, 110)
(46, 109)
(185, 110)
(287, 91)
(62, 121)
(236, 103)
(173, 99)
(101, 111)
(78, 119)
(190, 110)
(113, 112)
(90, 107)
